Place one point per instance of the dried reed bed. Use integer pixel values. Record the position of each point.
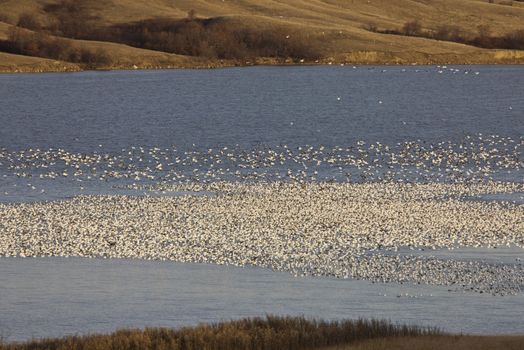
(269, 333)
(440, 342)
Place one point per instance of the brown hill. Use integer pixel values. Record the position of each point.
(205, 33)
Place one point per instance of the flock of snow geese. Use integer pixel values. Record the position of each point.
(339, 211)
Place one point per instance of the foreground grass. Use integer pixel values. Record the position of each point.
(270, 333)
(276, 333)
(438, 342)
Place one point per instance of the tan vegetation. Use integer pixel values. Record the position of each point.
(483, 38)
(439, 342)
(19, 63)
(276, 333)
(237, 32)
(214, 38)
(20, 41)
(270, 333)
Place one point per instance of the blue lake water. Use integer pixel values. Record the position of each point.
(57, 296)
(260, 105)
(99, 113)
(113, 114)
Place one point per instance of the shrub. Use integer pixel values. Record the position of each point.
(70, 18)
(214, 38)
(514, 40)
(29, 21)
(4, 18)
(484, 38)
(412, 28)
(24, 42)
(449, 33)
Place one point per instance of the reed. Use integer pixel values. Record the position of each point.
(269, 333)
(454, 342)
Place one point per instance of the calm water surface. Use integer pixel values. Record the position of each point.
(109, 111)
(261, 105)
(57, 296)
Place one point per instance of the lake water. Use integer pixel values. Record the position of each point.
(113, 114)
(260, 105)
(94, 114)
(58, 296)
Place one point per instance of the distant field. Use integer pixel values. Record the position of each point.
(240, 32)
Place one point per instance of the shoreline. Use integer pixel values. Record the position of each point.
(361, 58)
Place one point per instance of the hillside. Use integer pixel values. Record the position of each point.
(200, 33)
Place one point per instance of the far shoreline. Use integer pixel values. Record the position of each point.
(367, 58)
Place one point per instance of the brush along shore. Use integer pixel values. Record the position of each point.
(276, 333)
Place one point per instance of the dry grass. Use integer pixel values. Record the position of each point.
(270, 333)
(483, 38)
(338, 26)
(443, 342)
(276, 333)
(120, 56)
(18, 63)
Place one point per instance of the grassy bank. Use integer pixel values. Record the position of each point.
(123, 34)
(277, 333)
(270, 333)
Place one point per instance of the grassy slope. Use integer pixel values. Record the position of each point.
(340, 22)
(123, 56)
(18, 63)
